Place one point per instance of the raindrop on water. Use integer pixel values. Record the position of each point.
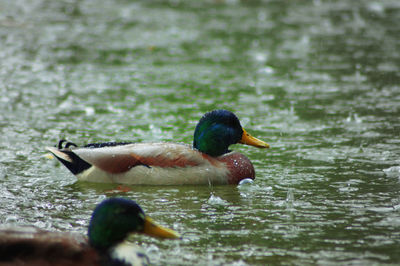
(246, 181)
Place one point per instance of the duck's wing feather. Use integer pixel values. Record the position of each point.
(119, 159)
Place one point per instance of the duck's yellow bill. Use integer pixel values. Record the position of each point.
(252, 141)
(152, 229)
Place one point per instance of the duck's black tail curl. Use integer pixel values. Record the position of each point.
(67, 144)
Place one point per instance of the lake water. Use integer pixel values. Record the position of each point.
(318, 80)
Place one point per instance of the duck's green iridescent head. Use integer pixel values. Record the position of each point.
(218, 129)
(116, 218)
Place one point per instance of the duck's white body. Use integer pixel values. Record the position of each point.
(146, 163)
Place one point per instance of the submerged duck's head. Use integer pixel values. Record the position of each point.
(116, 218)
(218, 129)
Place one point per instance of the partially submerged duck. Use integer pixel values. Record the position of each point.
(208, 161)
(112, 222)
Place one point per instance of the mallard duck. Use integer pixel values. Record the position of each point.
(208, 161)
(112, 222)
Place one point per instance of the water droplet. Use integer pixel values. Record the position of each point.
(246, 181)
(289, 198)
(393, 171)
(89, 111)
(216, 201)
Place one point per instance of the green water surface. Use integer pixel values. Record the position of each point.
(318, 80)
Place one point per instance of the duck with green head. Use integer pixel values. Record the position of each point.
(209, 160)
(112, 222)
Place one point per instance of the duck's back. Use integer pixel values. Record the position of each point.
(33, 246)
